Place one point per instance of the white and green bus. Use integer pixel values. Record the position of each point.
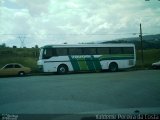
(86, 57)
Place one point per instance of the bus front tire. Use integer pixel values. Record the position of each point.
(62, 69)
(113, 67)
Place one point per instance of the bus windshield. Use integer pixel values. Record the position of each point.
(48, 53)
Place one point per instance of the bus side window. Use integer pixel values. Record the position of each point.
(61, 51)
(89, 51)
(54, 53)
(115, 50)
(128, 50)
(103, 50)
(75, 51)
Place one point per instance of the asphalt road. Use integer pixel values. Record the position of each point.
(80, 93)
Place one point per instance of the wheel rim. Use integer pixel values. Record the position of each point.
(113, 67)
(62, 70)
(21, 73)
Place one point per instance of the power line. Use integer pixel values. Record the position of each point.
(72, 34)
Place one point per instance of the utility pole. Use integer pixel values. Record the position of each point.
(141, 39)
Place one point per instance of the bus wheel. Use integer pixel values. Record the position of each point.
(62, 69)
(113, 67)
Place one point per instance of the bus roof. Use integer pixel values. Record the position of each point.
(90, 45)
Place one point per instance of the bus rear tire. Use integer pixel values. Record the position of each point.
(62, 69)
(113, 67)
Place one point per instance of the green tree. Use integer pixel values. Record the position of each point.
(3, 45)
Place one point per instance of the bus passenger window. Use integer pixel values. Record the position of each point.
(75, 51)
(115, 50)
(89, 51)
(103, 50)
(128, 50)
(61, 51)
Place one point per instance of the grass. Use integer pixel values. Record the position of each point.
(28, 58)
(26, 61)
(25, 56)
(150, 56)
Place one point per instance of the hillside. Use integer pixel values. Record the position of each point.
(149, 41)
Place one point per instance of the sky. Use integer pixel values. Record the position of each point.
(41, 22)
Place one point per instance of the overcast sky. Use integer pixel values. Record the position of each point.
(44, 22)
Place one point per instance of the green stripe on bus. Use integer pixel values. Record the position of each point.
(74, 63)
(116, 57)
(82, 64)
(90, 64)
(97, 63)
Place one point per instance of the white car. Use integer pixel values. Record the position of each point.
(156, 65)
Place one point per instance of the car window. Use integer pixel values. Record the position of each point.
(9, 66)
(17, 66)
